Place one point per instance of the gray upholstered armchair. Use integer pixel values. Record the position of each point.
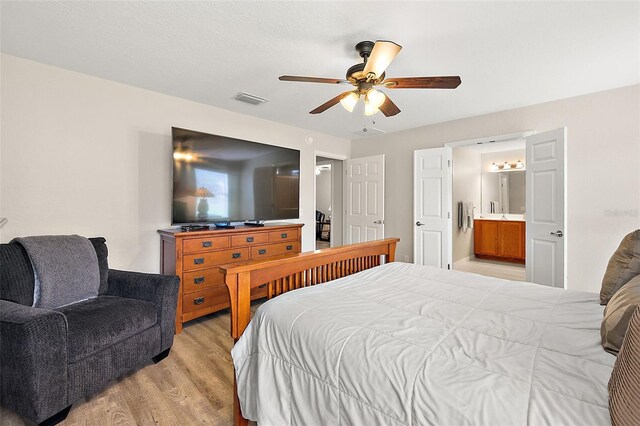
(51, 358)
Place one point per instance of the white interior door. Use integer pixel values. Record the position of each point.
(432, 207)
(545, 204)
(364, 199)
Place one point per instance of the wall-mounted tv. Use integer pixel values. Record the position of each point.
(217, 179)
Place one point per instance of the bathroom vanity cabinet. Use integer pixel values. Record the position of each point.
(499, 239)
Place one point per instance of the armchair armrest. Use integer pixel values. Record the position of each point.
(33, 360)
(161, 290)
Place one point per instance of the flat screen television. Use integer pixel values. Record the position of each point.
(217, 180)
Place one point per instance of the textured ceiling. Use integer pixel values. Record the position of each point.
(509, 54)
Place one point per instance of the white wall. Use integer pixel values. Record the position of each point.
(603, 171)
(90, 156)
(465, 187)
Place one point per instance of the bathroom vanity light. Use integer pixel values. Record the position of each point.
(506, 166)
(519, 165)
(494, 167)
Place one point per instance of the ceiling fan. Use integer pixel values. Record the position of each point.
(377, 57)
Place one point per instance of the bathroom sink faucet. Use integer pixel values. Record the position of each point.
(504, 216)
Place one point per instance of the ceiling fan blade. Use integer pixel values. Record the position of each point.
(383, 53)
(388, 108)
(325, 106)
(312, 79)
(449, 82)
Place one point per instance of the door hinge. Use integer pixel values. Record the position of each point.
(448, 266)
(448, 163)
(448, 215)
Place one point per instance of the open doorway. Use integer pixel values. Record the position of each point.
(543, 224)
(329, 201)
(489, 198)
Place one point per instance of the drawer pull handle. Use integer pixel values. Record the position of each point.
(198, 301)
(198, 280)
(283, 235)
(262, 251)
(289, 247)
(206, 244)
(198, 261)
(236, 255)
(249, 239)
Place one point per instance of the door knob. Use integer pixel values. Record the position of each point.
(419, 223)
(557, 233)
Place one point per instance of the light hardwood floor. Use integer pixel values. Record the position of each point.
(193, 385)
(505, 270)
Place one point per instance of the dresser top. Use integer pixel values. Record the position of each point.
(177, 232)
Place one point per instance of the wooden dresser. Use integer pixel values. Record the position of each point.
(499, 239)
(196, 256)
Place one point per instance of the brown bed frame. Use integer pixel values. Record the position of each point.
(292, 272)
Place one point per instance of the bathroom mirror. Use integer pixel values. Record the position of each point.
(503, 192)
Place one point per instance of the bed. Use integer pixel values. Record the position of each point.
(385, 343)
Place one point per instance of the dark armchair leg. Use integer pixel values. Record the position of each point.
(162, 355)
(56, 418)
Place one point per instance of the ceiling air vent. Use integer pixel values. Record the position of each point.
(250, 99)
(368, 132)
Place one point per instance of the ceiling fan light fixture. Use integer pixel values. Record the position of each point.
(376, 97)
(372, 101)
(350, 101)
(369, 108)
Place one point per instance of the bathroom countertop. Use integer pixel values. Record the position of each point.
(499, 218)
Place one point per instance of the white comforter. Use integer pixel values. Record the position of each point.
(402, 344)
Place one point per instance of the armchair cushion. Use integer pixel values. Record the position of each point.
(98, 323)
(161, 290)
(16, 272)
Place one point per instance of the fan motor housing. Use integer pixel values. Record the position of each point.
(355, 75)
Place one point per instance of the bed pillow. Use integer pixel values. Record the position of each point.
(623, 265)
(617, 315)
(624, 384)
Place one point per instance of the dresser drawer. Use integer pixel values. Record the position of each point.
(208, 259)
(203, 299)
(199, 280)
(249, 239)
(269, 250)
(203, 244)
(286, 235)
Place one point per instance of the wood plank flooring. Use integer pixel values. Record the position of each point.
(193, 385)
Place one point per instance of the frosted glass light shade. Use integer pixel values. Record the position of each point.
(375, 97)
(350, 101)
(369, 108)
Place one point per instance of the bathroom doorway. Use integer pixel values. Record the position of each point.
(488, 195)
